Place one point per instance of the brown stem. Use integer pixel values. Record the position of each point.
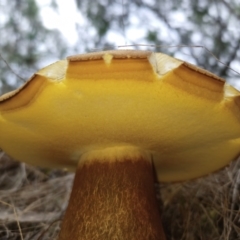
(113, 200)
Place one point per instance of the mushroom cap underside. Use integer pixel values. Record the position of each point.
(185, 118)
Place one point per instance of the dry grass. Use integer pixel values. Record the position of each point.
(204, 209)
(32, 202)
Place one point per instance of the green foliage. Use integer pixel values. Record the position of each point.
(27, 45)
(212, 24)
(25, 42)
(152, 36)
(95, 12)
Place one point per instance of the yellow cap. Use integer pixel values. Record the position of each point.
(185, 118)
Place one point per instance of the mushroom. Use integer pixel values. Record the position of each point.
(121, 120)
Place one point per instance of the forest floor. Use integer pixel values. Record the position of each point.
(33, 201)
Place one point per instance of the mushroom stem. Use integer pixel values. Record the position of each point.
(113, 200)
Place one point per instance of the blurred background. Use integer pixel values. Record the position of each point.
(35, 33)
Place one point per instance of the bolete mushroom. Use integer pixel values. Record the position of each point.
(121, 120)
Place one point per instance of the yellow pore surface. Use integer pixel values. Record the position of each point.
(183, 117)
